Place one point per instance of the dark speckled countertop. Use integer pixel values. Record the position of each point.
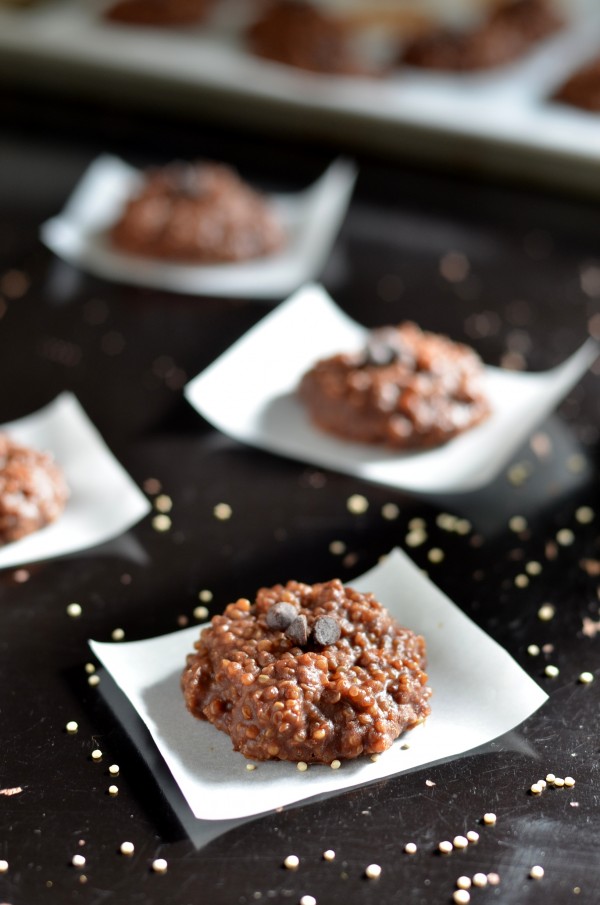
(529, 297)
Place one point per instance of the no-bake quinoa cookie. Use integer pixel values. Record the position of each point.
(198, 213)
(33, 491)
(296, 33)
(582, 89)
(407, 389)
(308, 673)
(507, 33)
(158, 12)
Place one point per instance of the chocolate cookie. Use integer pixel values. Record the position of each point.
(33, 491)
(158, 12)
(298, 34)
(199, 213)
(349, 684)
(507, 34)
(582, 89)
(407, 389)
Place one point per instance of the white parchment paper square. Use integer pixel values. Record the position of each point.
(249, 393)
(479, 694)
(311, 219)
(103, 500)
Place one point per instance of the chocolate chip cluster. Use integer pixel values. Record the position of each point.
(283, 617)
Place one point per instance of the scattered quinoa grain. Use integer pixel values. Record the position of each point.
(308, 900)
(335, 764)
(536, 789)
(480, 880)
(415, 538)
(461, 897)
(113, 770)
(78, 861)
(550, 777)
(559, 782)
(569, 782)
(74, 610)
(302, 766)
(72, 727)
(521, 581)
(551, 671)
(161, 522)
(463, 526)
(291, 862)
(159, 866)
(201, 613)
(586, 677)
(518, 473)
(390, 511)
(493, 879)
(113, 791)
(460, 842)
(533, 650)
(517, 524)
(127, 848)
(94, 680)
(329, 855)
(435, 555)
(464, 882)
(410, 848)
(357, 504)
(117, 634)
(337, 547)
(546, 612)
(222, 512)
(250, 767)
(533, 568)
(489, 819)
(96, 754)
(90, 668)
(205, 595)
(565, 537)
(454, 266)
(584, 515)
(536, 872)
(473, 836)
(163, 503)
(3, 866)
(375, 758)
(445, 847)
(373, 871)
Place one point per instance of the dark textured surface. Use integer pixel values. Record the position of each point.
(126, 353)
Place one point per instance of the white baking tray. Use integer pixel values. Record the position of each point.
(505, 107)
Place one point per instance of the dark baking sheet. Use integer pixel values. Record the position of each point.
(530, 297)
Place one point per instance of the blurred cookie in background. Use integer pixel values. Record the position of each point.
(158, 12)
(582, 89)
(298, 34)
(506, 33)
